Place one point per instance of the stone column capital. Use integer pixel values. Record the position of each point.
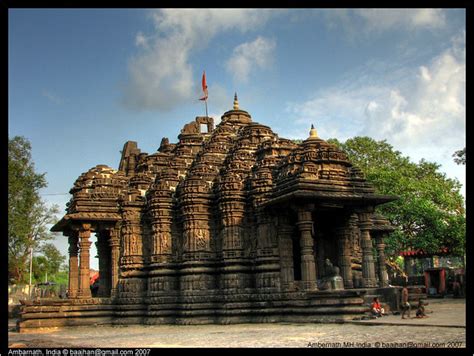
(73, 246)
(305, 225)
(85, 244)
(85, 226)
(114, 242)
(364, 221)
(82, 231)
(305, 212)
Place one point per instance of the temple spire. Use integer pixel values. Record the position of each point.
(313, 133)
(236, 102)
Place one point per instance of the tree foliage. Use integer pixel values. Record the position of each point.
(28, 215)
(48, 264)
(430, 211)
(460, 156)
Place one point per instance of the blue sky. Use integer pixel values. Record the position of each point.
(84, 81)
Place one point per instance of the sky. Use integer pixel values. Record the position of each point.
(82, 82)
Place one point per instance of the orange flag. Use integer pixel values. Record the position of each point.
(204, 86)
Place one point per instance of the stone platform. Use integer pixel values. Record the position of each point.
(319, 306)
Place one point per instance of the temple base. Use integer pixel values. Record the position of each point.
(301, 307)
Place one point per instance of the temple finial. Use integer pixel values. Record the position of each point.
(313, 133)
(236, 102)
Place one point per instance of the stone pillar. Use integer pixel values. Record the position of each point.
(356, 251)
(308, 268)
(114, 260)
(286, 253)
(382, 270)
(267, 260)
(368, 267)
(73, 265)
(84, 274)
(344, 255)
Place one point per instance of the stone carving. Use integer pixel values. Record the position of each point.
(330, 270)
(222, 216)
(191, 128)
(332, 279)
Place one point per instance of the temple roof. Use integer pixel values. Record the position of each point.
(86, 217)
(239, 160)
(346, 198)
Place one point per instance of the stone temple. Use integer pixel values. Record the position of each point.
(230, 224)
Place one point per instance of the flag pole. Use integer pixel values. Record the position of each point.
(204, 90)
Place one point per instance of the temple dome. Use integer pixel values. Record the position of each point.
(101, 182)
(313, 160)
(324, 150)
(236, 115)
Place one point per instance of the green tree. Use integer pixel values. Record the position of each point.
(28, 215)
(430, 213)
(460, 156)
(48, 264)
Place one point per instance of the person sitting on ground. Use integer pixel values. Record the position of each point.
(376, 308)
(405, 305)
(420, 311)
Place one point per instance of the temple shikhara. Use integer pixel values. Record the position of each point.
(230, 224)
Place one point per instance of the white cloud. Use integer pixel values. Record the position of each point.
(249, 56)
(357, 22)
(198, 26)
(425, 73)
(51, 97)
(385, 19)
(338, 111)
(141, 40)
(422, 115)
(161, 76)
(427, 18)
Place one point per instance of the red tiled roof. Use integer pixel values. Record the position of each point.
(421, 253)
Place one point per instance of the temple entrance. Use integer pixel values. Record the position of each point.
(94, 275)
(93, 260)
(325, 245)
(103, 286)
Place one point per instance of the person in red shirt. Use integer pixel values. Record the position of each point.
(376, 308)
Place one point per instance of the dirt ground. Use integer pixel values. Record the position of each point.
(444, 328)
